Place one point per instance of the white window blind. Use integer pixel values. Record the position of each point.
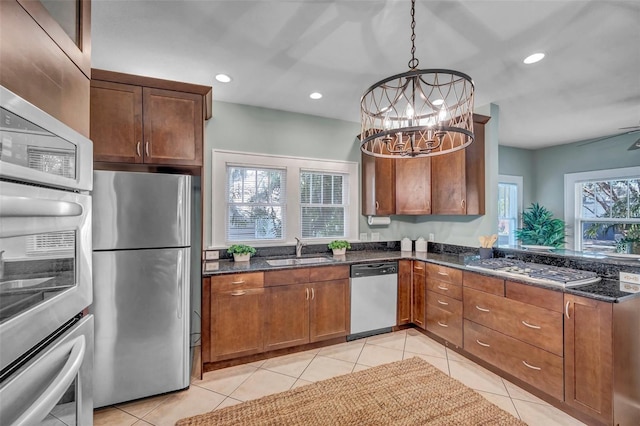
(256, 203)
(323, 204)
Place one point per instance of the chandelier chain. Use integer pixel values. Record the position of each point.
(413, 63)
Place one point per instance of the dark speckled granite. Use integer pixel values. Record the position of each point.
(607, 290)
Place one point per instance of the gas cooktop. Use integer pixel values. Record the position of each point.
(535, 272)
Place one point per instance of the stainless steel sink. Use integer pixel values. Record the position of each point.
(298, 261)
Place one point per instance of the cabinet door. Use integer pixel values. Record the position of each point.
(588, 356)
(419, 296)
(173, 127)
(404, 292)
(287, 316)
(448, 189)
(116, 122)
(237, 322)
(378, 186)
(329, 310)
(413, 185)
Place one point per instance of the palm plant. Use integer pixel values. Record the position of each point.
(540, 228)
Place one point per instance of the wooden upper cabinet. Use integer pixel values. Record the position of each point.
(457, 179)
(144, 120)
(378, 186)
(413, 185)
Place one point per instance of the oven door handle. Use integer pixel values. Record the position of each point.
(11, 206)
(41, 407)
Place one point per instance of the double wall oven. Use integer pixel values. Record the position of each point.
(46, 336)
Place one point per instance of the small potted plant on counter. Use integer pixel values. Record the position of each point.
(339, 247)
(241, 252)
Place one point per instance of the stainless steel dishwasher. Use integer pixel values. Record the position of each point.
(374, 296)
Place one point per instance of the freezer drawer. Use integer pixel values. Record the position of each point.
(141, 309)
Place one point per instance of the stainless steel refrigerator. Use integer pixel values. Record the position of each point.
(141, 284)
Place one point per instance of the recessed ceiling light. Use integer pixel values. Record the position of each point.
(223, 78)
(532, 59)
(315, 95)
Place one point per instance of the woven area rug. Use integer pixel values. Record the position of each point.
(409, 392)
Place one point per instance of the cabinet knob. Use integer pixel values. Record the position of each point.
(138, 148)
(463, 204)
(377, 205)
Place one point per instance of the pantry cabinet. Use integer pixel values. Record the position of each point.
(147, 121)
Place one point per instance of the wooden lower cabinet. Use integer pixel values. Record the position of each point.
(419, 295)
(329, 315)
(529, 363)
(237, 323)
(444, 317)
(404, 292)
(286, 316)
(588, 343)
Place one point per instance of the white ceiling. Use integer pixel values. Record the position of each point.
(278, 52)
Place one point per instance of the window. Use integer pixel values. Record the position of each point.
(262, 199)
(509, 208)
(606, 207)
(323, 204)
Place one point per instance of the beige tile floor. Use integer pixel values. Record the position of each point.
(232, 385)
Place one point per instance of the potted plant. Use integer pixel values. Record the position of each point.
(339, 247)
(241, 252)
(630, 241)
(540, 228)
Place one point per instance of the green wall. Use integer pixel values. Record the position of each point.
(543, 169)
(246, 128)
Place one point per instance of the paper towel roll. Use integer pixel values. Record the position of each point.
(379, 220)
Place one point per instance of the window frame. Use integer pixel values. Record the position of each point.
(293, 167)
(573, 201)
(345, 204)
(519, 182)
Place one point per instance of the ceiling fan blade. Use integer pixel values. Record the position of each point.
(634, 146)
(604, 138)
(630, 127)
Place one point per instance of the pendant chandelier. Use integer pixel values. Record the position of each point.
(419, 113)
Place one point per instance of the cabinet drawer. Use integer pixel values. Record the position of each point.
(444, 288)
(231, 282)
(443, 302)
(443, 273)
(445, 321)
(531, 324)
(548, 299)
(419, 268)
(328, 273)
(529, 363)
(484, 283)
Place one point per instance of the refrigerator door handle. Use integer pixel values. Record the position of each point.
(180, 283)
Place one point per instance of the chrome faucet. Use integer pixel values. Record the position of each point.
(299, 245)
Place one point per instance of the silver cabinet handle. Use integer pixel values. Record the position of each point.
(486, 345)
(417, 269)
(443, 288)
(443, 303)
(531, 366)
(146, 148)
(442, 325)
(238, 293)
(482, 309)
(442, 273)
(52, 394)
(463, 204)
(306, 290)
(537, 327)
(566, 310)
(237, 282)
(313, 293)
(138, 148)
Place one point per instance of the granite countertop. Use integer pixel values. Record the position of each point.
(607, 290)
